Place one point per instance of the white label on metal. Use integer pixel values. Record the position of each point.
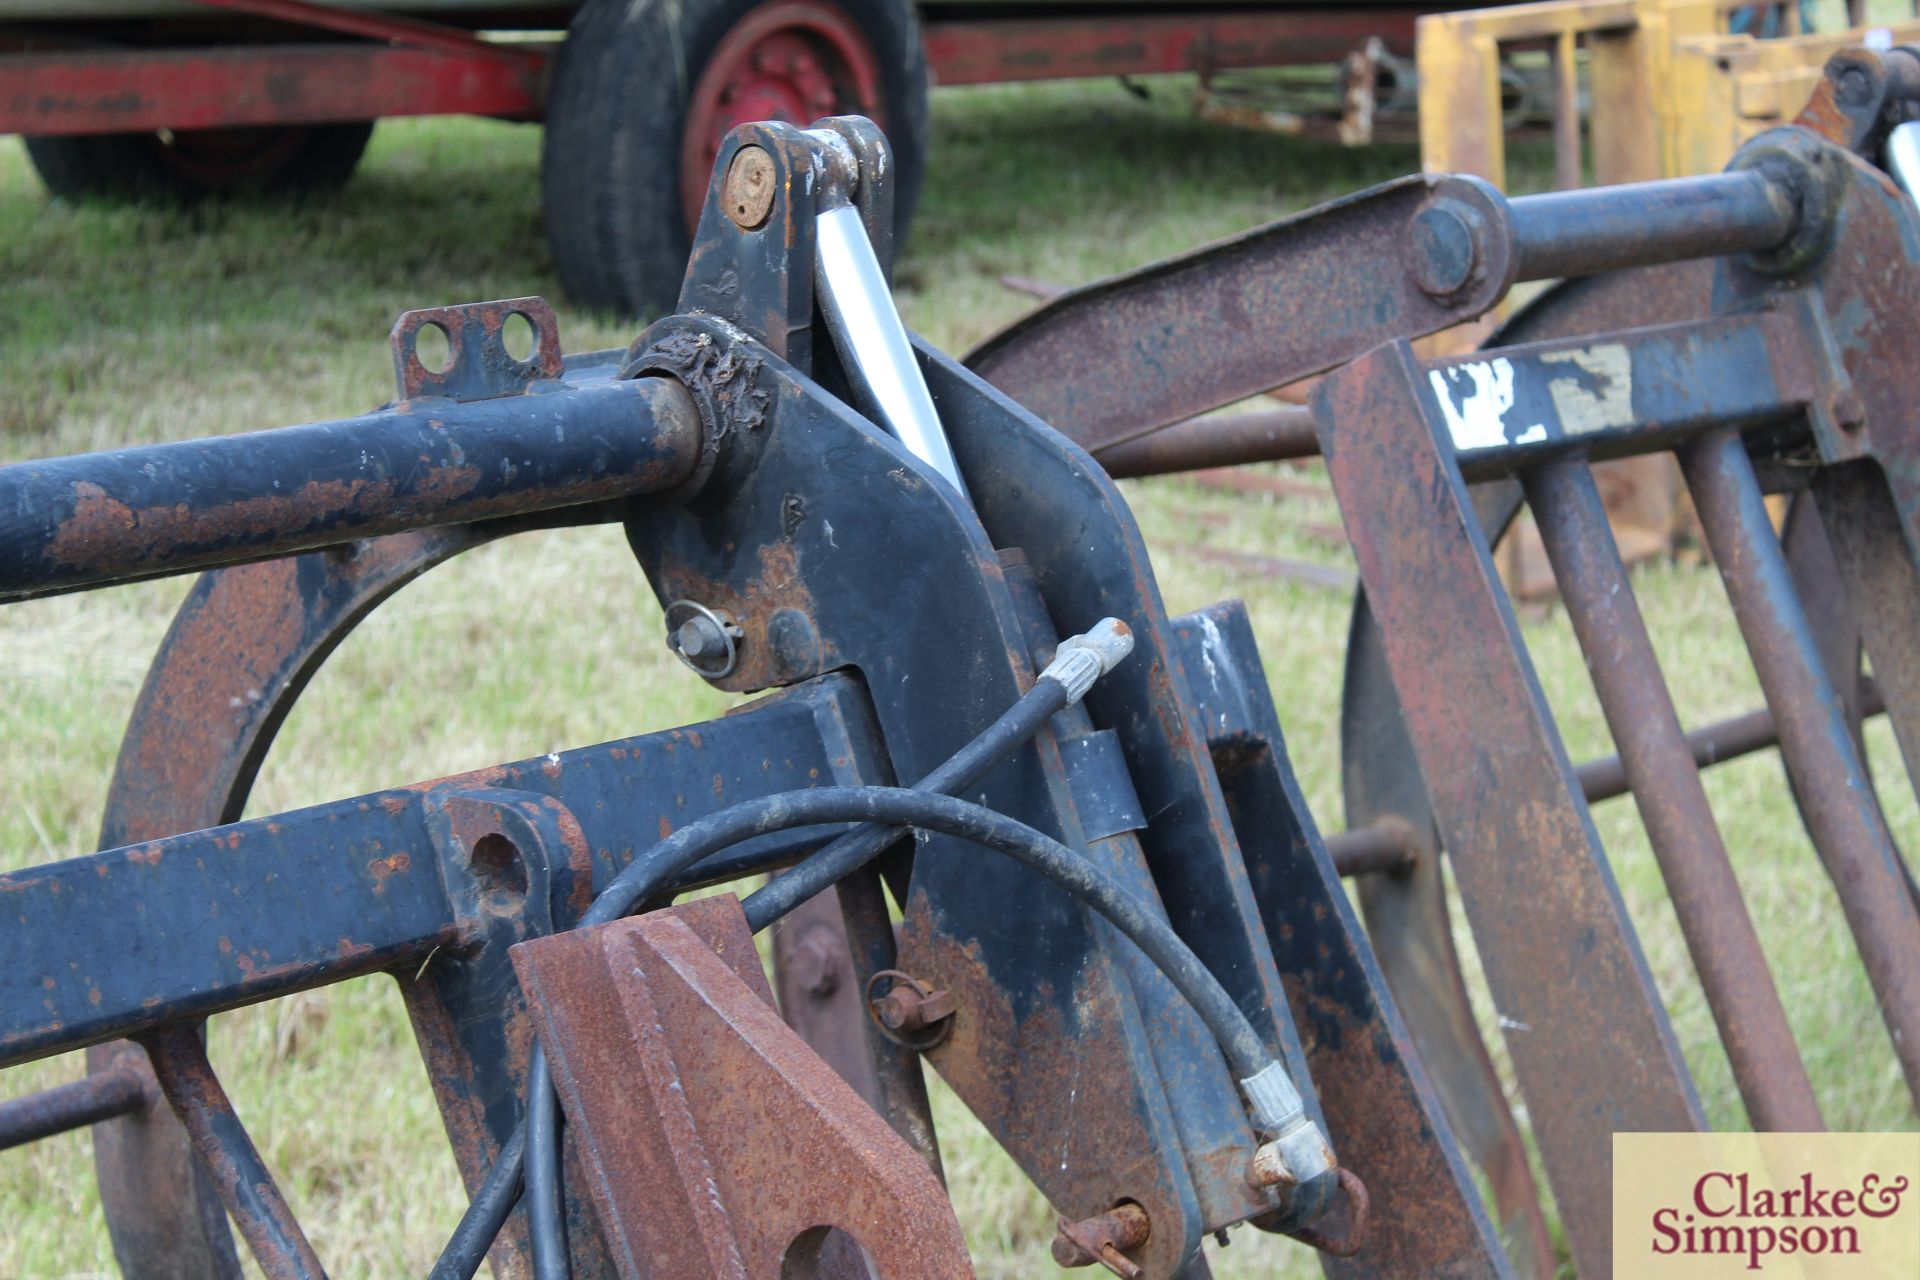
(1478, 419)
(1597, 393)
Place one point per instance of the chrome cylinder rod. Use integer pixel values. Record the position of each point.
(1903, 157)
(872, 341)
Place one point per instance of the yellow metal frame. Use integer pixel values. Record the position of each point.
(1671, 92)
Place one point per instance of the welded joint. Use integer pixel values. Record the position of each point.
(1080, 660)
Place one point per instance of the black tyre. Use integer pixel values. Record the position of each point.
(643, 91)
(195, 164)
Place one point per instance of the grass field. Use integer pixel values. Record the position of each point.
(123, 325)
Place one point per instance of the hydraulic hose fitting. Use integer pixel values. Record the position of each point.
(1082, 659)
(1296, 1152)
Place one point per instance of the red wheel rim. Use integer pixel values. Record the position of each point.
(792, 60)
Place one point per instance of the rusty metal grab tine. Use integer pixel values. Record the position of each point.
(1672, 802)
(1837, 800)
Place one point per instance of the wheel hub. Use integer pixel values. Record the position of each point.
(795, 62)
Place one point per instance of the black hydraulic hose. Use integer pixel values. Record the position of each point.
(904, 807)
(546, 1223)
(1135, 918)
(860, 846)
(948, 815)
(488, 1211)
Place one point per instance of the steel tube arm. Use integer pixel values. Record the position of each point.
(118, 516)
(1598, 229)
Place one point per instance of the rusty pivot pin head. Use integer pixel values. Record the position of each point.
(748, 190)
(1444, 251)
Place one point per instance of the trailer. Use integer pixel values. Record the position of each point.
(183, 99)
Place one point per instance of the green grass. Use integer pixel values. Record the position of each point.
(120, 325)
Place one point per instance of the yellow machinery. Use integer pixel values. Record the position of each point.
(1666, 89)
(1670, 90)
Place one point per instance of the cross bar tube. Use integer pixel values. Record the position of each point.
(1387, 844)
(67, 524)
(1599, 229)
(103, 1095)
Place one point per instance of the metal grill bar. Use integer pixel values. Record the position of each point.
(242, 1179)
(102, 1096)
(1673, 805)
(1606, 777)
(1836, 796)
(1590, 1040)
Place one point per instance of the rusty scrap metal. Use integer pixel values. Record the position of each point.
(716, 1144)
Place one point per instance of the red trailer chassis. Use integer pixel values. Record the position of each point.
(389, 65)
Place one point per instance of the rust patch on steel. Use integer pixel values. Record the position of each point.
(718, 1145)
(1021, 1077)
(106, 534)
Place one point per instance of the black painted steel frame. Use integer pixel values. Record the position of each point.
(895, 620)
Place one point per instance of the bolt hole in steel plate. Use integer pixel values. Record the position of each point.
(795, 61)
(477, 350)
(433, 347)
(496, 865)
(825, 1253)
(518, 337)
